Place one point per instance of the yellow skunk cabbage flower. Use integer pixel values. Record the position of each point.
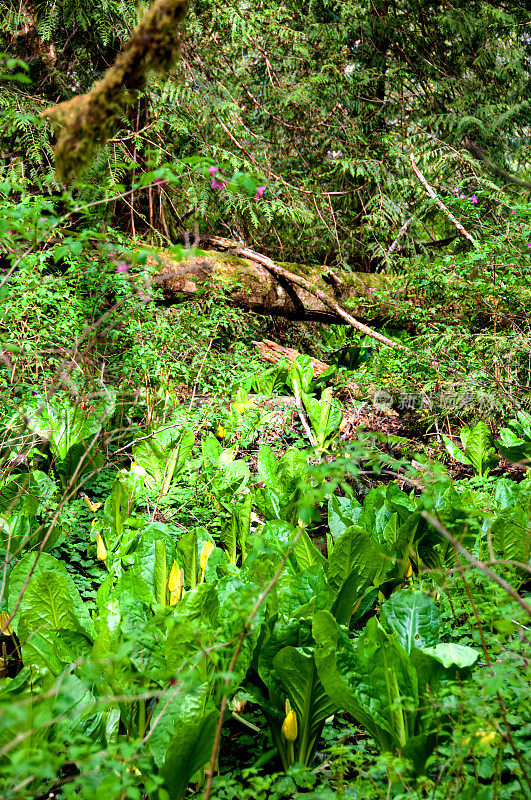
(93, 507)
(205, 555)
(221, 432)
(289, 726)
(175, 583)
(101, 549)
(485, 737)
(242, 406)
(173, 580)
(409, 571)
(5, 627)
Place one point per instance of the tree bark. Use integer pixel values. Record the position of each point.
(250, 286)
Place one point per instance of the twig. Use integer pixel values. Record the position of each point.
(476, 563)
(200, 370)
(440, 204)
(302, 415)
(401, 232)
(481, 155)
(322, 296)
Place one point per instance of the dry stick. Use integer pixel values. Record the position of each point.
(440, 204)
(401, 232)
(322, 296)
(252, 615)
(302, 415)
(200, 370)
(456, 544)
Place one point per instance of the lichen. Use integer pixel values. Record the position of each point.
(88, 120)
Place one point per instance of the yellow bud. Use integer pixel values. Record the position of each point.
(176, 584)
(173, 580)
(241, 407)
(5, 628)
(289, 726)
(409, 571)
(205, 554)
(486, 737)
(101, 549)
(221, 432)
(92, 506)
(175, 597)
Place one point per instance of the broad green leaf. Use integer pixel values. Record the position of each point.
(356, 551)
(342, 513)
(450, 654)
(177, 706)
(188, 558)
(163, 456)
(308, 585)
(188, 751)
(47, 603)
(305, 552)
(64, 424)
(511, 536)
(478, 446)
(81, 458)
(267, 466)
(414, 617)
(369, 679)
(455, 451)
(296, 671)
(47, 563)
(160, 572)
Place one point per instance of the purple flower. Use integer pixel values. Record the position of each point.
(462, 196)
(474, 198)
(213, 170)
(122, 267)
(159, 180)
(216, 184)
(259, 192)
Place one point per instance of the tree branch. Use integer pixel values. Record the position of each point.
(481, 155)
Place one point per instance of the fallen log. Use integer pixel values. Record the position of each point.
(272, 353)
(250, 286)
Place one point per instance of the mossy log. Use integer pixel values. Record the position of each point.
(251, 287)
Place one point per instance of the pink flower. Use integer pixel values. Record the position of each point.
(210, 285)
(216, 184)
(455, 191)
(462, 196)
(529, 245)
(213, 170)
(474, 198)
(10, 233)
(122, 267)
(259, 192)
(159, 180)
(513, 212)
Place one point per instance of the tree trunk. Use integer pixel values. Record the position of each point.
(251, 287)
